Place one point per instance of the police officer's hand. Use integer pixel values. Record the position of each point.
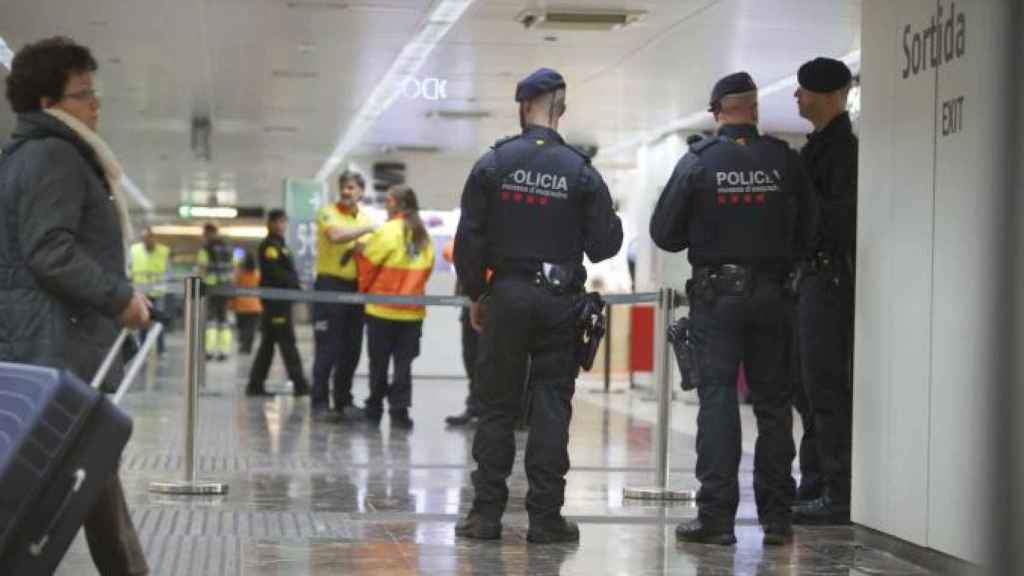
(476, 315)
(136, 313)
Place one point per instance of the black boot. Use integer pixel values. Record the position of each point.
(777, 533)
(821, 512)
(810, 490)
(697, 531)
(476, 527)
(464, 419)
(556, 530)
(401, 420)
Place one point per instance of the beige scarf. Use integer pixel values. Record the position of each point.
(111, 170)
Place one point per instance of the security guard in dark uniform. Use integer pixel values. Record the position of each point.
(531, 207)
(739, 204)
(827, 289)
(277, 270)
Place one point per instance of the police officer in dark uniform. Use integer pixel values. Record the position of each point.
(531, 208)
(739, 204)
(827, 289)
(277, 270)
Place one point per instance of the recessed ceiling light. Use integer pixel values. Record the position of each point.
(459, 114)
(317, 5)
(307, 48)
(551, 38)
(295, 74)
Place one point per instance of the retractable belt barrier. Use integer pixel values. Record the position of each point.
(665, 300)
(331, 297)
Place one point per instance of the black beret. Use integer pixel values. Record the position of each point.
(540, 82)
(738, 83)
(824, 75)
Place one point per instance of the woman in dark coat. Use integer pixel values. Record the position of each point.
(64, 291)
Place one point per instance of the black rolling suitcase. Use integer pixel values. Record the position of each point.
(60, 443)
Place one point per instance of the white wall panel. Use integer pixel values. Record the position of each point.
(928, 225)
(894, 280)
(967, 232)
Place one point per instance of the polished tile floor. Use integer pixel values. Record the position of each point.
(310, 497)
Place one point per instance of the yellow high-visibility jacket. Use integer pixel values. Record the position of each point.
(386, 267)
(149, 269)
(329, 255)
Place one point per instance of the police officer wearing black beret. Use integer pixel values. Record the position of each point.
(739, 204)
(825, 315)
(531, 208)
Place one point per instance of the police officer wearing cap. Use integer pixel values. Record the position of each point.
(827, 290)
(277, 270)
(739, 204)
(531, 208)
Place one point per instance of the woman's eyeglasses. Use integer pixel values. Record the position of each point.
(87, 95)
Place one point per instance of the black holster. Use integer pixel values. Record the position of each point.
(561, 279)
(590, 328)
(686, 354)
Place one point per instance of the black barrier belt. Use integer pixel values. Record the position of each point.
(333, 297)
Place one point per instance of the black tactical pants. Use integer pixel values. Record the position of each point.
(276, 328)
(470, 350)
(247, 323)
(338, 334)
(810, 466)
(729, 329)
(527, 329)
(826, 341)
(217, 310)
(391, 341)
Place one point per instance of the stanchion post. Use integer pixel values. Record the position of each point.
(663, 383)
(608, 351)
(195, 357)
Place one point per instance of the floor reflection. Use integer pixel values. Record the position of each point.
(312, 497)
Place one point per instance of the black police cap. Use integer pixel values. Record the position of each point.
(738, 83)
(824, 75)
(540, 82)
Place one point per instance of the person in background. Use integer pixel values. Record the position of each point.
(277, 270)
(149, 268)
(338, 328)
(825, 315)
(214, 265)
(470, 345)
(65, 293)
(247, 308)
(397, 259)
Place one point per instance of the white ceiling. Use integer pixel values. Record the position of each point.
(280, 79)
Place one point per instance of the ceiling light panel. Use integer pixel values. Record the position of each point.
(384, 94)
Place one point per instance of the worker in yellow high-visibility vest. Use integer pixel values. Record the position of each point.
(149, 268)
(338, 328)
(395, 260)
(215, 265)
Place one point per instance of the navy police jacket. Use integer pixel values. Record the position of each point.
(277, 270)
(532, 199)
(830, 157)
(738, 198)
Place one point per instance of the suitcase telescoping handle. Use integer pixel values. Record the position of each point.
(37, 548)
(133, 367)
